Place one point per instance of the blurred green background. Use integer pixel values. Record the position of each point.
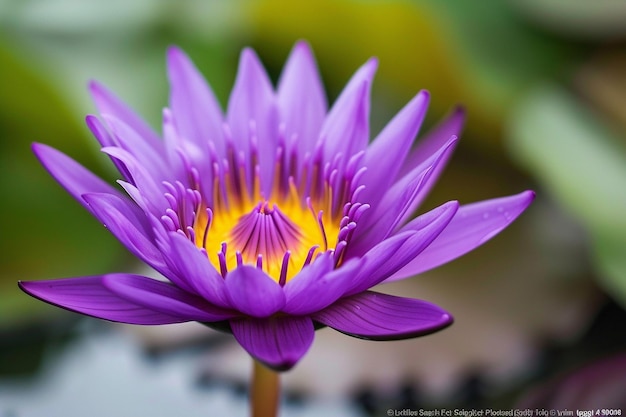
(543, 82)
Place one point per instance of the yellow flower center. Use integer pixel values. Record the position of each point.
(280, 234)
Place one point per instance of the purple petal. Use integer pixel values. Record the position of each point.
(376, 316)
(377, 256)
(435, 139)
(130, 140)
(164, 297)
(197, 113)
(318, 285)
(74, 177)
(143, 180)
(346, 128)
(398, 203)
(301, 99)
(383, 157)
(253, 292)
(137, 197)
(253, 101)
(473, 225)
(437, 162)
(179, 153)
(194, 268)
(123, 220)
(105, 139)
(108, 103)
(384, 260)
(278, 342)
(87, 295)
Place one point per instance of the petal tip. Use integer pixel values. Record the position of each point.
(420, 103)
(370, 67)
(93, 86)
(303, 46)
(175, 57)
(37, 147)
(173, 51)
(527, 198)
(45, 153)
(446, 320)
(530, 195)
(99, 93)
(33, 288)
(248, 56)
(372, 63)
(23, 285)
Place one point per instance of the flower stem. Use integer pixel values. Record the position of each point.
(264, 391)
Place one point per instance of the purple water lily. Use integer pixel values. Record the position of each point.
(275, 218)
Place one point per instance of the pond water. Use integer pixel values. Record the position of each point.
(104, 373)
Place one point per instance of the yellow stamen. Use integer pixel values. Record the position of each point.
(273, 226)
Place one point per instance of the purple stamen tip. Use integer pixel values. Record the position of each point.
(309, 255)
(283, 269)
(221, 256)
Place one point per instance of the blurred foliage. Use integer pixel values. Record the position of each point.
(478, 54)
(582, 164)
(599, 20)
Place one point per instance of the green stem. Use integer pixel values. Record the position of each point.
(264, 391)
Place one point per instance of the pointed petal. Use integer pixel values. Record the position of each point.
(375, 258)
(252, 109)
(197, 113)
(376, 316)
(398, 203)
(437, 162)
(278, 342)
(384, 156)
(192, 266)
(190, 163)
(318, 285)
(301, 99)
(153, 160)
(122, 219)
(253, 292)
(87, 295)
(105, 139)
(74, 177)
(386, 259)
(137, 197)
(451, 125)
(108, 103)
(176, 149)
(164, 297)
(148, 186)
(346, 129)
(473, 225)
